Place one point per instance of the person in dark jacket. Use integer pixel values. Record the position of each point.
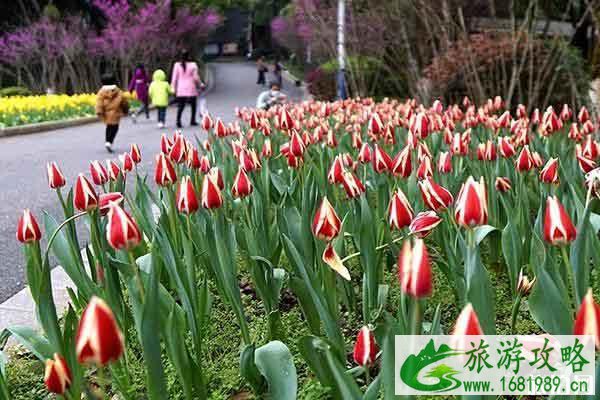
(139, 84)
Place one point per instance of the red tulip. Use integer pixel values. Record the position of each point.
(28, 229)
(127, 162)
(414, 269)
(211, 194)
(535, 116)
(56, 179)
(99, 339)
(204, 164)
(550, 121)
(444, 163)
(471, 204)
(207, 122)
(220, 128)
(267, 152)
(57, 376)
(537, 159)
(105, 199)
(375, 125)
(193, 158)
(164, 173)
(178, 152)
(135, 153)
(381, 160)
(558, 228)
(566, 113)
(435, 196)
(84, 195)
(352, 185)
(524, 161)
(590, 148)
(296, 145)
(504, 120)
(187, 201)
(165, 144)
(505, 147)
(331, 258)
(419, 125)
(242, 186)
(587, 321)
(113, 169)
(216, 175)
(583, 116)
(467, 323)
(502, 184)
(585, 164)
(335, 174)
(401, 165)
(365, 348)
(425, 169)
(246, 161)
(285, 119)
(423, 223)
(99, 174)
(400, 212)
(122, 231)
(364, 155)
(549, 174)
(326, 224)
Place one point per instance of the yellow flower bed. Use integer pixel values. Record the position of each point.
(22, 110)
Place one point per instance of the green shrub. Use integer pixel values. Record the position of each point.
(14, 91)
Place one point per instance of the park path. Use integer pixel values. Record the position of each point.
(23, 181)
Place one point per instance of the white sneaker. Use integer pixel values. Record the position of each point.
(161, 125)
(134, 118)
(108, 147)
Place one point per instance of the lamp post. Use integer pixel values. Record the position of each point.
(341, 50)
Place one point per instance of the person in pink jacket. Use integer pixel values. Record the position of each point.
(186, 81)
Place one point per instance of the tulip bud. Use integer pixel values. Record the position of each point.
(28, 229)
(400, 212)
(334, 176)
(267, 151)
(471, 204)
(505, 147)
(220, 128)
(187, 202)
(502, 184)
(558, 228)
(424, 223)
(113, 169)
(105, 199)
(444, 163)
(56, 179)
(84, 195)
(193, 158)
(57, 376)
(419, 125)
(381, 160)
(549, 174)
(242, 186)
(122, 231)
(296, 145)
(246, 161)
(207, 122)
(375, 125)
(524, 285)
(164, 174)
(467, 323)
(127, 162)
(585, 164)
(425, 169)
(326, 224)
(352, 185)
(525, 160)
(587, 321)
(99, 339)
(364, 155)
(401, 165)
(99, 174)
(414, 269)
(583, 116)
(165, 144)
(331, 258)
(178, 151)
(435, 196)
(135, 153)
(365, 348)
(211, 194)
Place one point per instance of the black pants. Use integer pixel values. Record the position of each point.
(261, 78)
(111, 132)
(181, 102)
(145, 108)
(162, 114)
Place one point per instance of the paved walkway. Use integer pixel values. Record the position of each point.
(23, 181)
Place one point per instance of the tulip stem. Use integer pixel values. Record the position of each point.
(138, 275)
(515, 313)
(570, 283)
(58, 228)
(378, 248)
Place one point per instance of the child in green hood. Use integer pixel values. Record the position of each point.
(159, 92)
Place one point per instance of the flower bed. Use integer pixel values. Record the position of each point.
(363, 217)
(24, 110)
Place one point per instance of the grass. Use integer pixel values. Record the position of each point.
(25, 373)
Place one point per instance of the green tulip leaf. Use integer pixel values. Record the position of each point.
(276, 364)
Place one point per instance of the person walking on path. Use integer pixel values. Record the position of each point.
(159, 95)
(262, 69)
(278, 73)
(111, 105)
(185, 82)
(139, 84)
